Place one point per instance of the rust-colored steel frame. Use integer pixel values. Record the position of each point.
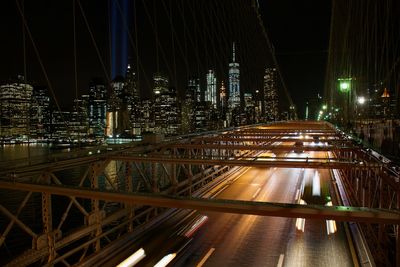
(180, 168)
(375, 188)
(261, 162)
(278, 133)
(226, 138)
(339, 213)
(257, 147)
(52, 241)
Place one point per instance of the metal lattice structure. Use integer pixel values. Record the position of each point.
(69, 209)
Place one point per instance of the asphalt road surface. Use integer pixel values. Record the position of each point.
(248, 240)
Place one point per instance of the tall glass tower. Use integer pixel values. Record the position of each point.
(211, 92)
(234, 82)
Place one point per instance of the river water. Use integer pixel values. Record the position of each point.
(24, 151)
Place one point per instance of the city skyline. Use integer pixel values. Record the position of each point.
(121, 111)
(191, 62)
(200, 133)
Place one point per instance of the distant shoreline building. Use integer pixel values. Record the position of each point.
(15, 104)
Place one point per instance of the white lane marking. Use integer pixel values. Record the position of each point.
(280, 261)
(297, 194)
(256, 193)
(205, 258)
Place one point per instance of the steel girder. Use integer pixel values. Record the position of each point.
(266, 162)
(211, 139)
(52, 241)
(180, 167)
(375, 188)
(339, 213)
(256, 147)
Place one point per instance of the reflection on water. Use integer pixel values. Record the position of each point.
(21, 151)
(111, 171)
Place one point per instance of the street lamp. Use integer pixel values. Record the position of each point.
(361, 100)
(345, 87)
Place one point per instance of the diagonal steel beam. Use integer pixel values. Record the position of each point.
(339, 213)
(11, 223)
(18, 221)
(143, 176)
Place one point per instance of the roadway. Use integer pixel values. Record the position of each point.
(248, 240)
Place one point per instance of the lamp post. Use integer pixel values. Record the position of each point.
(345, 87)
(360, 103)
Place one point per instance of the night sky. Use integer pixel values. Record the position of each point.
(299, 31)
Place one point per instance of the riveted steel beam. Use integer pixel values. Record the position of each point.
(339, 213)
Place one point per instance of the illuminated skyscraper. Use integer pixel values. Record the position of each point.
(249, 108)
(146, 115)
(270, 94)
(160, 84)
(40, 113)
(190, 104)
(199, 106)
(161, 105)
(172, 113)
(132, 98)
(116, 111)
(188, 111)
(234, 81)
(15, 102)
(194, 87)
(97, 108)
(131, 89)
(211, 91)
(79, 120)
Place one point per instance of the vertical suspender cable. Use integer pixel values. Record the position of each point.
(25, 73)
(94, 42)
(156, 35)
(76, 71)
(137, 46)
(173, 43)
(158, 45)
(328, 92)
(109, 37)
(272, 54)
(35, 49)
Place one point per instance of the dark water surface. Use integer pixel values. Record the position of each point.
(24, 151)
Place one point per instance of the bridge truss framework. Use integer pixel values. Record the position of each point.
(65, 211)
